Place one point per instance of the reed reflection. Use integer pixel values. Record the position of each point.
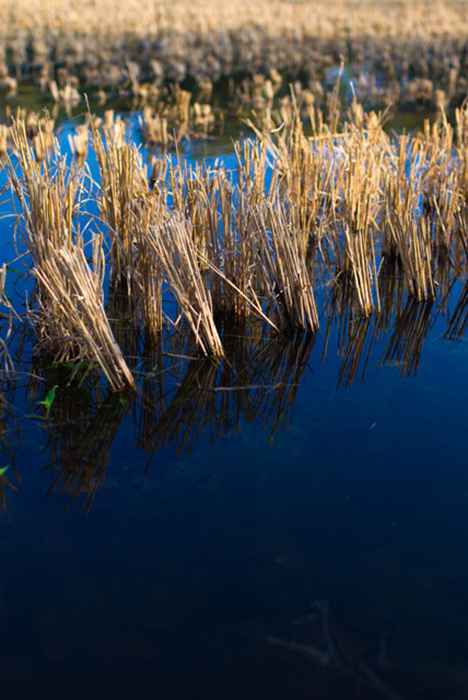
(183, 399)
(81, 432)
(458, 319)
(256, 382)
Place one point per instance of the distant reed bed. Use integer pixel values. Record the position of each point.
(398, 50)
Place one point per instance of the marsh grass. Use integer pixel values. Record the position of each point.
(168, 121)
(397, 50)
(73, 312)
(176, 251)
(287, 276)
(70, 317)
(333, 203)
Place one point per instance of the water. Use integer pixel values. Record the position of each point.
(292, 524)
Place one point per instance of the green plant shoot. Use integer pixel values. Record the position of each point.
(48, 402)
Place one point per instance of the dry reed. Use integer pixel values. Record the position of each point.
(73, 312)
(174, 246)
(71, 320)
(331, 203)
(418, 47)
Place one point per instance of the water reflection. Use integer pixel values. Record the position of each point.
(459, 318)
(256, 383)
(183, 401)
(81, 433)
(411, 328)
(398, 331)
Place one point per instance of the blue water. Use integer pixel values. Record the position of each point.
(279, 527)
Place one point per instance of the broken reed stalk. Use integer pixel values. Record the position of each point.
(146, 274)
(361, 198)
(128, 207)
(174, 246)
(228, 243)
(48, 198)
(221, 215)
(72, 313)
(413, 243)
(287, 274)
(123, 184)
(360, 263)
(408, 230)
(303, 169)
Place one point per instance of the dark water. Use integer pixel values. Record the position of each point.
(291, 524)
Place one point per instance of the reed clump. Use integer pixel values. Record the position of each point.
(123, 185)
(321, 200)
(287, 274)
(72, 312)
(169, 121)
(128, 207)
(174, 247)
(70, 319)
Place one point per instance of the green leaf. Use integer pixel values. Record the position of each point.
(3, 470)
(48, 402)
